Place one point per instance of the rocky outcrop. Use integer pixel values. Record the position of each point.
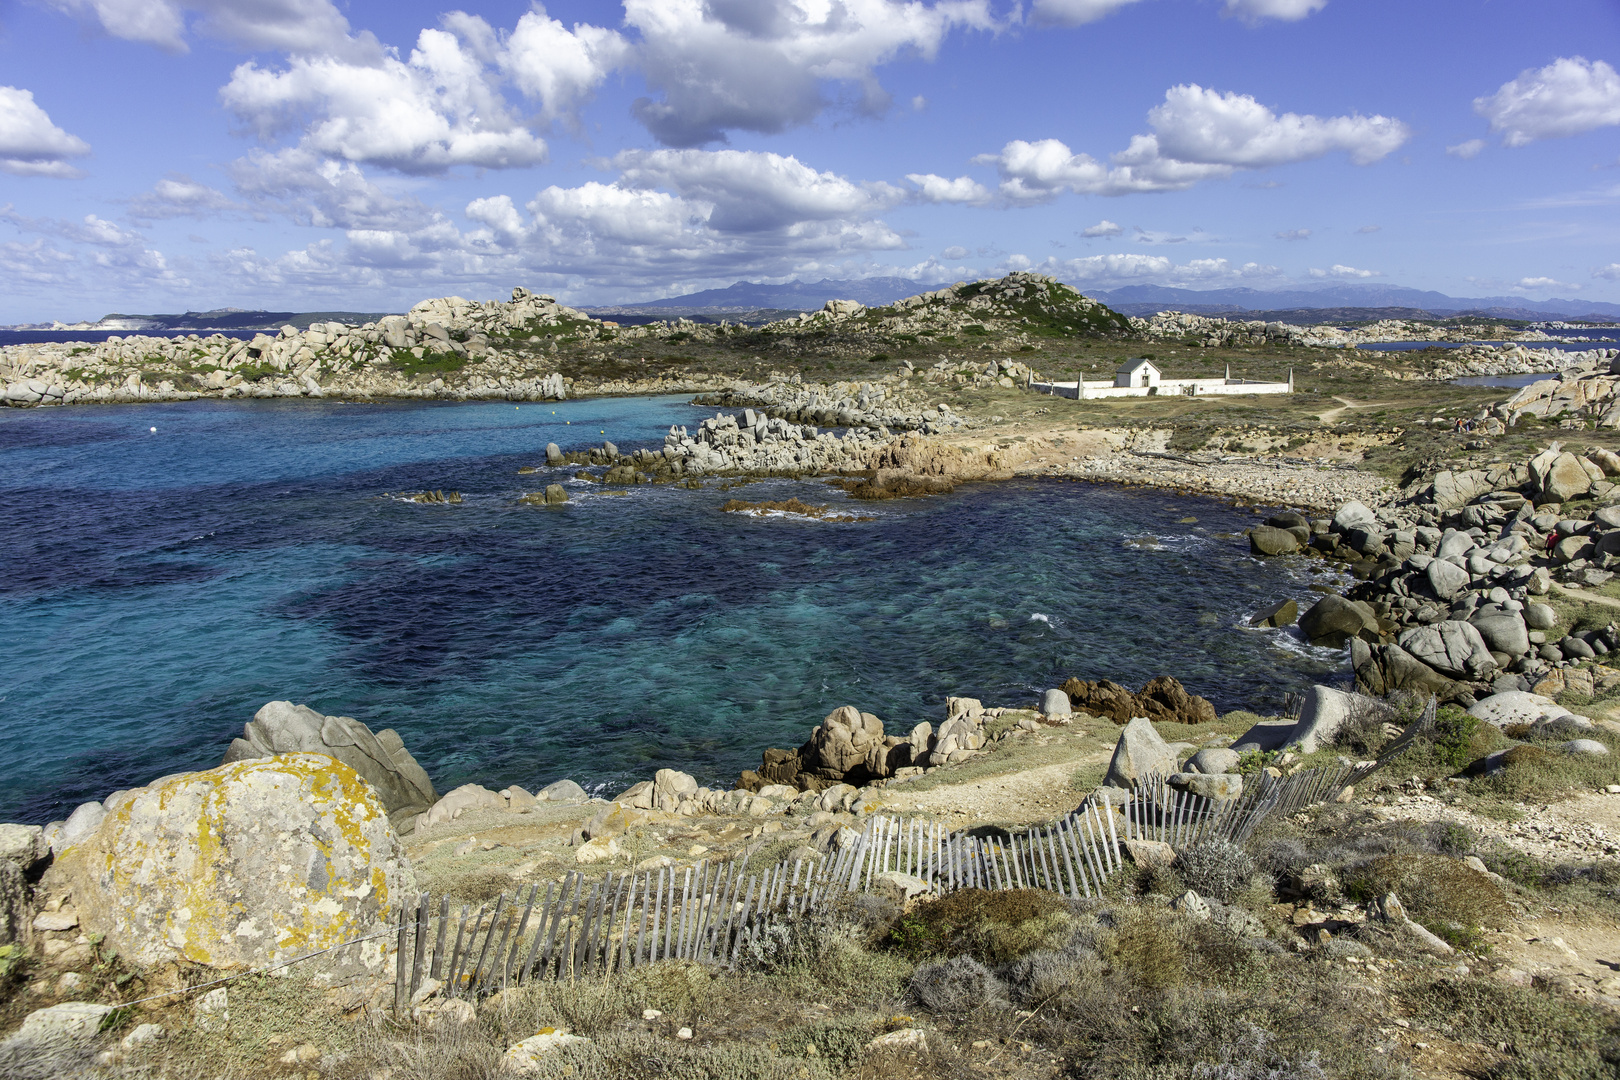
(1212, 332)
(850, 747)
(281, 727)
(450, 347)
(1141, 751)
(1161, 699)
(241, 866)
(890, 403)
(1448, 602)
(755, 443)
(399, 355)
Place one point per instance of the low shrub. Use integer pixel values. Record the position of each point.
(1147, 945)
(1439, 892)
(1216, 868)
(1455, 739)
(1362, 730)
(1251, 1053)
(1045, 973)
(955, 986)
(1533, 772)
(990, 926)
(1290, 1018)
(840, 1042)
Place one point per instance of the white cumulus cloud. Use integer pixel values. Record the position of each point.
(1345, 273)
(1198, 135)
(1541, 284)
(1130, 268)
(549, 63)
(317, 191)
(438, 108)
(760, 65)
(1294, 234)
(754, 190)
(938, 189)
(1568, 96)
(1467, 150)
(1209, 127)
(1102, 228)
(1610, 272)
(30, 144)
(290, 25)
(1282, 10)
(179, 196)
(1073, 12)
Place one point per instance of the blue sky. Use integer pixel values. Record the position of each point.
(159, 155)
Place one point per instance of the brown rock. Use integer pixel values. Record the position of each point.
(1102, 698)
(841, 742)
(1161, 699)
(1165, 698)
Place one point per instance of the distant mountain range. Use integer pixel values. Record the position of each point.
(1146, 299)
(1330, 303)
(754, 302)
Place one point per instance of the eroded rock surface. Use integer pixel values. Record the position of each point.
(281, 727)
(241, 866)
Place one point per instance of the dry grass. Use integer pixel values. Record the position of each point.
(268, 1017)
(1548, 1036)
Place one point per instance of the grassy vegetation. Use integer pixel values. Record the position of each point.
(429, 363)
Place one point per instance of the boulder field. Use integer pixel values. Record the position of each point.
(1456, 578)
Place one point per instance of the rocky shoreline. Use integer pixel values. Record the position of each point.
(1458, 579)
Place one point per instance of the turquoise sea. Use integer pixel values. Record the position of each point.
(158, 586)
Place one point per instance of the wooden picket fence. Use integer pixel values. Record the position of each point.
(712, 912)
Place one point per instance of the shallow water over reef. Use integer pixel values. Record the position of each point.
(160, 586)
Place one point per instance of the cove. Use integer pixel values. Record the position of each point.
(159, 587)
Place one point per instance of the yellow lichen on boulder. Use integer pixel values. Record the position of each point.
(242, 866)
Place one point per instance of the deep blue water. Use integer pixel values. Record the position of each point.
(1608, 342)
(156, 588)
(41, 337)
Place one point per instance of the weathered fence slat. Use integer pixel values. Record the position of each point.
(400, 997)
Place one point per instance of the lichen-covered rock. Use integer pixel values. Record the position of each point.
(281, 727)
(1220, 787)
(23, 844)
(14, 909)
(241, 866)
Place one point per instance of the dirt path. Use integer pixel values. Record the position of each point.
(1585, 596)
(1016, 797)
(1333, 414)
